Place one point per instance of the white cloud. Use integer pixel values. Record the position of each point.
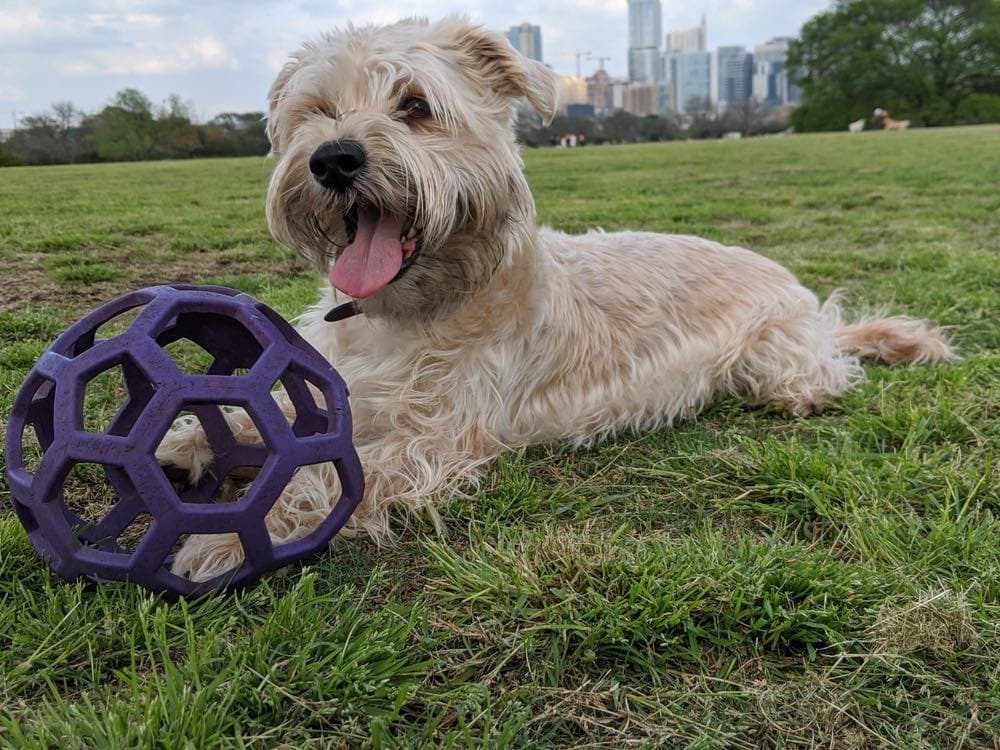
(27, 24)
(203, 53)
(126, 21)
(10, 93)
(21, 21)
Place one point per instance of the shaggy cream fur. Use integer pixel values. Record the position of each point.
(501, 334)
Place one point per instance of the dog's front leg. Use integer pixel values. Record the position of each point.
(186, 446)
(403, 470)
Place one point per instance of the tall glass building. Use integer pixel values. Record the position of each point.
(735, 67)
(691, 82)
(526, 39)
(693, 39)
(771, 84)
(645, 30)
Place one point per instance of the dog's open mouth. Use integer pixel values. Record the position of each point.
(381, 247)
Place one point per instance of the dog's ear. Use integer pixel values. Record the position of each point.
(274, 96)
(505, 70)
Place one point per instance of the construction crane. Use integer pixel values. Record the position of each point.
(580, 55)
(601, 61)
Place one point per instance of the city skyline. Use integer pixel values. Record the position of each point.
(223, 56)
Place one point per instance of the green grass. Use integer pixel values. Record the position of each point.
(740, 581)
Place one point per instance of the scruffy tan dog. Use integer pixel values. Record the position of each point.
(882, 116)
(478, 332)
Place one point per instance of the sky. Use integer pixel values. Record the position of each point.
(221, 55)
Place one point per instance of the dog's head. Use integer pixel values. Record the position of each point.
(397, 160)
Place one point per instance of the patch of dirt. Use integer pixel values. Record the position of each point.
(24, 286)
(26, 283)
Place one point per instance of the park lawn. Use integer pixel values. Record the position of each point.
(744, 580)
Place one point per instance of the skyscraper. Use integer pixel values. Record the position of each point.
(771, 84)
(690, 82)
(527, 40)
(645, 28)
(735, 68)
(693, 39)
(689, 88)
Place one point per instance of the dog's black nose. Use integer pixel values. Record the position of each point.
(335, 164)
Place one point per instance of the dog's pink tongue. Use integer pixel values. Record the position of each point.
(373, 259)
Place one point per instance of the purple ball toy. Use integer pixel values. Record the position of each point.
(252, 351)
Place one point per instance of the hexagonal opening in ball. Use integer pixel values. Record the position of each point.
(118, 323)
(116, 396)
(229, 556)
(29, 447)
(236, 458)
(206, 343)
(133, 534)
(103, 507)
(301, 398)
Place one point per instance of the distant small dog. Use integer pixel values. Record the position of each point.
(857, 126)
(477, 332)
(887, 122)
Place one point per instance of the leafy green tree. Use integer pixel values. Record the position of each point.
(242, 133)
(979, 108)
(174, 136)
(919, 59)
(622, 127)
(125, 130)
(655, 128)
(8, 158)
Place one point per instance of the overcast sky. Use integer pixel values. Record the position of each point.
(221, 55)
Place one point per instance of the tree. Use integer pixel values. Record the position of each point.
(37, 139)
(747, 116)
(8, 158)
(622, 127)
(919, 59)
(125, 129)
(241, 133)
(979, 108)
(656, 128)
(174, 137)
(51, 137)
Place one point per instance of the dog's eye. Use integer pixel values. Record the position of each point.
(415, 108)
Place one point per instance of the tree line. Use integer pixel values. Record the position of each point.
(131, 128)
(746, 118)
(934, 62)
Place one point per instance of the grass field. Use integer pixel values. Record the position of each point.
(741, 581)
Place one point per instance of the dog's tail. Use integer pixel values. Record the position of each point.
(895, 340)
(891, 340)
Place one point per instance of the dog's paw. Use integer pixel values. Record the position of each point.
(204, 556)
(186, 449)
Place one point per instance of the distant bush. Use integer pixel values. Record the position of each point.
(8, 158)
(979, 108)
